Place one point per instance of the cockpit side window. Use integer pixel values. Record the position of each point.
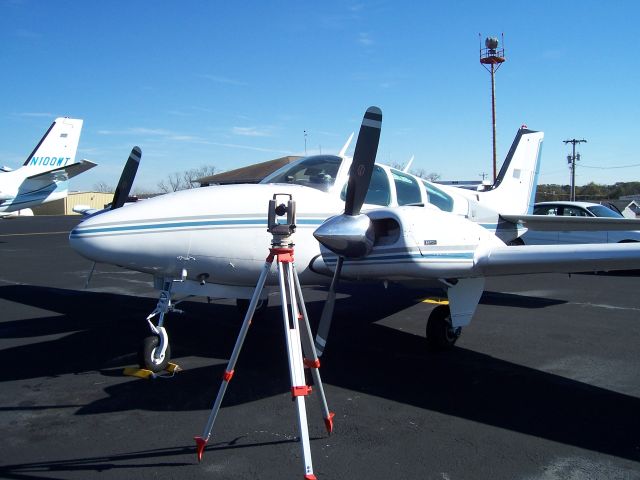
(438, 198)
(407, 189)
(318, 172)
(379, 192)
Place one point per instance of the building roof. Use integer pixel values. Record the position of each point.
(250, 174)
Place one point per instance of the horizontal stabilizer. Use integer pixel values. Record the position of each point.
(562, 223)
(64, 173)
(557, 259)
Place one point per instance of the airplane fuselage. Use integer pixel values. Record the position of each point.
(155, 236)
(218, 235)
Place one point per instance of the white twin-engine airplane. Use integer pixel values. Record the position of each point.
(45, 174)
(213, 241)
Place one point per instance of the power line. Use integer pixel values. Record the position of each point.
(611, 168)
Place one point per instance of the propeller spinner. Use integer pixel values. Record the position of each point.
(351, 235)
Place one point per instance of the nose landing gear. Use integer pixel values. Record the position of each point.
(155, 352)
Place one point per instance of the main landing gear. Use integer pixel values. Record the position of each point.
(441, 335)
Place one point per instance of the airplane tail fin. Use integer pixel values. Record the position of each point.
(514, 190)
(57, 148)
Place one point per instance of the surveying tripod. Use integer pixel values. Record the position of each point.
(300, 347)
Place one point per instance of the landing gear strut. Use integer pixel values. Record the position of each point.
(441, 335)
(155, 351)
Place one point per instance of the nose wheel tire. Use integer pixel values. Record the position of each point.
(441, 335)
(147, 355)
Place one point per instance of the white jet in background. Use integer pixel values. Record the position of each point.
(44, 175)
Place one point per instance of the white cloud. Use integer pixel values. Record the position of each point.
(185, 138)
(158, 132)
(224, 80)
(365, 39)
(252, 131)
(247, 147)
(35, 114)
(28, 34)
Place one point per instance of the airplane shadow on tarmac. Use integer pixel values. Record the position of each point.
(362, 356)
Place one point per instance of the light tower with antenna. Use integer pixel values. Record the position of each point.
(491, 58)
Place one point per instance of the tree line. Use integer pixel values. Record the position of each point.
(172, 183)
(591, 191)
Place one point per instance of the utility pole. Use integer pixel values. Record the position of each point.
(571, 160)
(491, 58)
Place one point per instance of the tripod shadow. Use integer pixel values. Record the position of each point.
(361, 356)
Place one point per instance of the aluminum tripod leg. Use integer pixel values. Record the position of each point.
(299, 388)
(201, 442)
(311, 356)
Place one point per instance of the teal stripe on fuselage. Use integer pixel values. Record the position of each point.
(408, 257)
(257, 222)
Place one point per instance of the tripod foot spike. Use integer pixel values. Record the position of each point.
(328, 422)
(201, 443)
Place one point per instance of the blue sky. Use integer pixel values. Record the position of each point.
(234, 83)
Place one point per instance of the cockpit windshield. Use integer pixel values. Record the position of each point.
(318, 171)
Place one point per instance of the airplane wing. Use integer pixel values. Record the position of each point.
(556, 258)
(551, 223)
(64, 173)
(85, 210)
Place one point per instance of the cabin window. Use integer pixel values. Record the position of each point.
(318, 172)
(438, 198)
(379, 192)
(407, 189)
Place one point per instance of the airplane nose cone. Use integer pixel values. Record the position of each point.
(346, 235)
(85, 239)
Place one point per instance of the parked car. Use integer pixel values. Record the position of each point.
(577, 209)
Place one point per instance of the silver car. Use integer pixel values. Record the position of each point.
(577, 209)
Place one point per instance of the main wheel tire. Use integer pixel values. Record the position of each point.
(243, 306)
(146, 357)
(440, 333)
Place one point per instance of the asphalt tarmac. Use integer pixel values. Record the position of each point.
(544, 384)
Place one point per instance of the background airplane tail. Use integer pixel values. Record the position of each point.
(515, 188)
(57, 148)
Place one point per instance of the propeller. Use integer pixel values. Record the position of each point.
(126, 179)
(350, 235)
(122, 191)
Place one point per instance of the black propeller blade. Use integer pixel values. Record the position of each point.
(126, 179)
(364, 157)
(350, 234)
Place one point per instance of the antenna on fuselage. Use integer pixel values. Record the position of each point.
(346, 146)
(408, 165)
